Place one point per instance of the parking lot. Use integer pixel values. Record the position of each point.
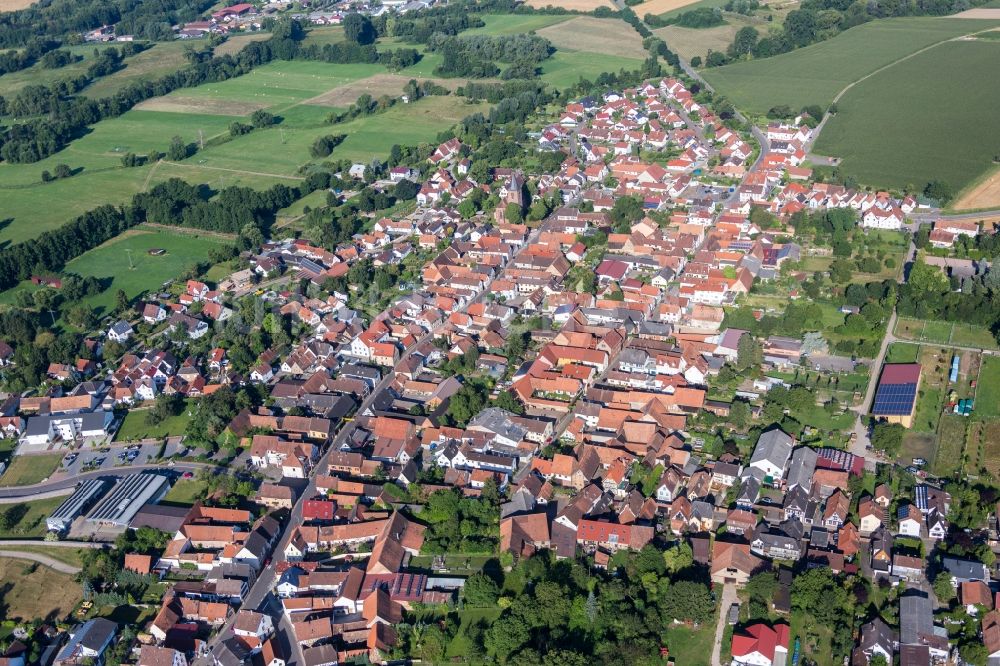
(109, 457)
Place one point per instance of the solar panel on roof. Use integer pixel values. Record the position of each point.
(894, 399)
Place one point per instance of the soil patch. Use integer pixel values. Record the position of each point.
(215, 107)
(376, 86)
(985, 194)
(979, 13)
(661, 6)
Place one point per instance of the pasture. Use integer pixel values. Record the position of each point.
(922, 119)
(611, 37)
(111, 262)
(160, 60)
(512, 24)
(565, 69)
(275, 86)
(815, 74)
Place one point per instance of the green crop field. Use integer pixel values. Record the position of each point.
(565, 68)
(160, 60)
(816, 73)
(274, 86)
(923, 119)
(281, 150)
(510, 24)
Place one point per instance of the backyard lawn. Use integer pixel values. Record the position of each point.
(186, 491)
(134, 427)
(691, 646)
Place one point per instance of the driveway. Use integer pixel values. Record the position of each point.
(728, 599)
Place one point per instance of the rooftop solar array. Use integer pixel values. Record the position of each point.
(894, 399)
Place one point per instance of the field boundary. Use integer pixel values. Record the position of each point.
(248, 173)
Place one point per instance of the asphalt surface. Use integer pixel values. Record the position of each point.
(31, 492)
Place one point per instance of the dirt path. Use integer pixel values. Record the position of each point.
(61, 567)
(190, 231)
(149, 176)
(248, 173)
(728, 599)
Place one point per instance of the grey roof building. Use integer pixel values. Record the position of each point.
(129, 495)
(75, 505)
(802, 468)
(772, 452)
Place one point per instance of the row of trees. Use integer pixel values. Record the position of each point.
(68, 18)
(817, 20)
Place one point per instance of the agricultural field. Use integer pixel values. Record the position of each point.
(691, 42)
(982, 194)
(112, 261)
(564, 69)
(29, 590)
(950, 445)
(817, 73)
(877, 141)
(572, 5)
(163, 58)
(275, 87)
(668, 8)
(512, 24)
(612, 37)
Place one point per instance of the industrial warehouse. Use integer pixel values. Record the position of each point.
(111, 507)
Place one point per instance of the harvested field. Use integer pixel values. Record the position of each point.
(979, 13)
(14, 5)
(691, 42)
(573, 5)
(984, 194)
(376, 86)
(662, 6)
(585, 33)
(236, 42)
(207, 105)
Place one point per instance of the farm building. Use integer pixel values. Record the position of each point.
(896, 395)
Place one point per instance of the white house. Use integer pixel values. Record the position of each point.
(120, 331)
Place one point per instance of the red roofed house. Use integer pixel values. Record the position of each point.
(759, 645)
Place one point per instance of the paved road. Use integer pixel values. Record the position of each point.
(61, 567)
(728, 599)
(25, 493)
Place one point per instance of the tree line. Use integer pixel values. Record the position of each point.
(68, 18)
(60, 116)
